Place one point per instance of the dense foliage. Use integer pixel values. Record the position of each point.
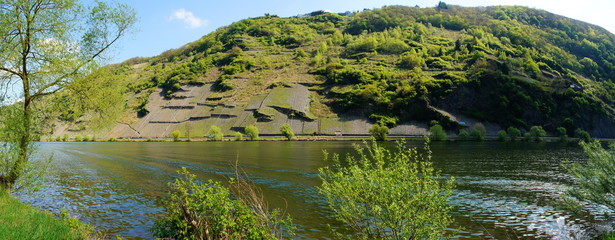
(211, 211)
(385, 194)
(593, 181)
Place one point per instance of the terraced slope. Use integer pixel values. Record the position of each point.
(404, 67)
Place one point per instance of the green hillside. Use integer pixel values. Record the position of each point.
(508, 66)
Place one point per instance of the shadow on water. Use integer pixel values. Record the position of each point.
(504, 189)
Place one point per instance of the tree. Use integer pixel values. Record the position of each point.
(593, 182)
(463, 134)
(188, 130)
(46, 45)
(379, 132)
(252, 132)
(501, 135)
(216, 132)
(175, 135)
(563, 135)
(537, 133)
(386, 194)
(287, 131)
(478, 132)
(513, 133)
(437, 133)
(583, 135)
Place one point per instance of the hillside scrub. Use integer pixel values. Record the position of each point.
(368, 195)
(494, 64)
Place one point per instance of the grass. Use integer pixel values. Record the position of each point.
(22, 221)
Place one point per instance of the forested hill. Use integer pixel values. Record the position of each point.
(397, 65)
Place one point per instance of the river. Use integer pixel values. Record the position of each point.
(503, 189)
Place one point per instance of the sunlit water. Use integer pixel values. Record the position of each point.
(504, 190)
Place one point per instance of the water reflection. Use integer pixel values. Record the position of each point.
(504, 190)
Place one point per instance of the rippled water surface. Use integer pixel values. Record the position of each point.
(504, 190)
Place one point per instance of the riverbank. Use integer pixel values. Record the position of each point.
(321, 138)
(22, 221)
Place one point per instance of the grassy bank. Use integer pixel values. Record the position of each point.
(22, 221)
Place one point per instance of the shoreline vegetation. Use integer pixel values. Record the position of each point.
(20, 220)
(390, 138)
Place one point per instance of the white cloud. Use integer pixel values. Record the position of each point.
(188, 18)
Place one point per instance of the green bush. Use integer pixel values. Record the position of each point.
(287, 131)
(537, 133)
(513, 133)
(216, 133)
(368, 195)
(411, 60)
(212, 211)
(175, 135)
(501, 135)
(58, 139)
(593, 180)
(527, 136)
(464, 135)
(238, 136)
(78, 138)
(87, 138)
(437, 133)
(251, 132)
(478, 132)
(379, 132)
(583, 135)
(65, 138)
(563, 135)
(149, 139)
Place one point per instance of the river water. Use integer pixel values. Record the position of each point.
(504, 190)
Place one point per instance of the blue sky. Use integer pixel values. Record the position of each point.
(165, 24)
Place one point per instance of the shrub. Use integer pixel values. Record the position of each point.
(411, 60)
(212, 211)
(501, 135)
(88, 138)
(478, 132)
(216, 133)
(149, 139)
(537, 133)
(58, 138)
(287, 131)
(368, 195)
(78, 138)
(175, 135)
(527, 136)
(111, 140)
(379, 132)
(592, 182)
(65, 138)
(238, 136)
(463, 134)
(513, 133)
(583, 135)
(251, 132)
(563, 135)
(437, 133)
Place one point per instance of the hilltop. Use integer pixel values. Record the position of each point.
(400, 66)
